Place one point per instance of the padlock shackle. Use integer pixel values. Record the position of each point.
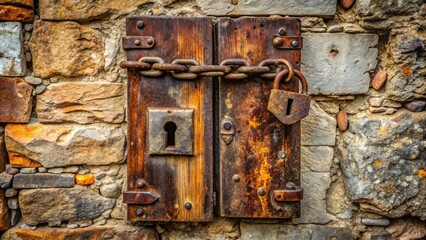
(297, 73)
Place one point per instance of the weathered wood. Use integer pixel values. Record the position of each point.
(175, 179)
(250, 167)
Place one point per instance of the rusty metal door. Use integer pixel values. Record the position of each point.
(170, 140)
(258, 156)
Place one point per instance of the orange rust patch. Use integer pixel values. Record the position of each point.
(421, 173)
(23, 131)
(407, 70)
(84, 179)
(254, 123)
(383, 131)
(378, 163)
(18, 161)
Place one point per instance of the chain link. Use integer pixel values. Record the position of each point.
(190, 69)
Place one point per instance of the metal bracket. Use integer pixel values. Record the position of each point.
(138, 42)
(289, 195)
(283, 42)
(227, 130)
(131, 197)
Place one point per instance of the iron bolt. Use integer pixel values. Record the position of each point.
(278, 195)
(278, 41)
(236, 178)
(140, 183)
(290, 185)
(140, 24)
(294, 43)
(188, 205)
(227, 125)
(282, 31)
(139, 212)
(261, 192)
(282, 154)
(137, 42)
(150, 41)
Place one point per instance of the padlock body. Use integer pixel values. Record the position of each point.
(288, 107)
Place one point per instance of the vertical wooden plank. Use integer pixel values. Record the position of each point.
(253, 155)
(176, 179)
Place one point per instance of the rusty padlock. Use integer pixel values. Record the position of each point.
(289, 107)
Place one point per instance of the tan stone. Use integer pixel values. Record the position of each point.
(27, 3)
(19, 161)
(86, 9)
(18, 14)
(82, 102)
(4, 213)
(115, 232)
(15, 100)
(67, 49)
(68, 144)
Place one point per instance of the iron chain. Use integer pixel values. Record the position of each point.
(189, 69)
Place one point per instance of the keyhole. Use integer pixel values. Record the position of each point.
(170, 128)
(289, 105)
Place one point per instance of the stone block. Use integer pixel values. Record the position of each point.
(318, 128)
(61, 204)
(315, 185)
(43, 180)
(332, 67)
(313, 211)
(382, 159)
(14, 13)
(382, 9)
(113, 232)
(68, 144)
(26, 3)
(5, 180)
(19, 161)
(78, 50)
(258, 7)
(15, 100)
(12, 60)
(316, 158)
(326, 232)
(82, 102)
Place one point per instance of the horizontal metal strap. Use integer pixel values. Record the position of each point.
(138, 42)
(132, 197)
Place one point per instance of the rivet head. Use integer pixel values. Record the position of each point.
(137, 42)
(236, 178)
(188, 205)
(150, 41)
(294, 43)
(282, 154)
(278, 195)
(278, 41)
(282, 31)
(140, 183)
(139, 212)
(140, 24)
(290, 185)
(261, 191)
(227, 125)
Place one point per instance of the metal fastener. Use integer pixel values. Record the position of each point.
(188, 205)
(227, 125)
(137, 42)
(290, 185)
(236, 178)
(278, 195)
(150, 41)
(294, 43)
(140, 24)
(261, 192)
(278, 41)
(140, 183)
(139, 212)
(282, 31)
(282, 154)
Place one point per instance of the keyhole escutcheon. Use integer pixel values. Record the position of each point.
(170, 128)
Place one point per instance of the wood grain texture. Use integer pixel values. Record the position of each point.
(175, 179)
(253, 154)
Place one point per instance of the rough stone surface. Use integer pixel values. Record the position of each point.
(318, 128)
(12, 61)
(82, 103)
(14, 13)
(28, 170)
(11, 192)
(15, 216)
(251, 231)
(416, 106)
(5, 180)
(111, 190)
(28, 3)
(15, 100)
(19, 161)
(332, 67)
(66, 48)
(3, 152)
(407, 228)
(382, 159)
(12, 203)
(4, 213)
(113, 232)
(316, 158)
(381, 9)
(59, 204)
(257, 7)
(43, 180)
(65, 145)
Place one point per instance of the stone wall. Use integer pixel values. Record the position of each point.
(63, 120)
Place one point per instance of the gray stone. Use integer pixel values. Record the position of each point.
(12, 60)
(12, 203)
(381, 222)
(39, 89)
(99, 176)
(353, 28)
(382, 9)
(15, 216)
(335, 233)
(58, 204)
(28, 170)
(72, 169)
(42, 170)
(335, 28)
(391, 104)
(382, 235)
(258, 7)
(11, 192)
(318, 128)
(43, 180)
(382, 159)
(376, 102)
(12, 171)
(72, 226)
(416, 106)
(332, 67)
(111, 190)
(313, 211)
(5, 180)
(58, 170)
(33, 80)
(3, 152)
(316, 158)
(58, 145)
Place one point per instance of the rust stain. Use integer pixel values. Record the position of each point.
(263, 179)
(407, 70)
(383, 131)
(378, 163)
(24, 132)
(421, 173)
(254, 122)
(19, 161)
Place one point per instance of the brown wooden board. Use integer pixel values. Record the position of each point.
(253, 155)
(175, 179)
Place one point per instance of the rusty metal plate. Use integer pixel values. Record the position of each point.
(258, 154)
(183, 183)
